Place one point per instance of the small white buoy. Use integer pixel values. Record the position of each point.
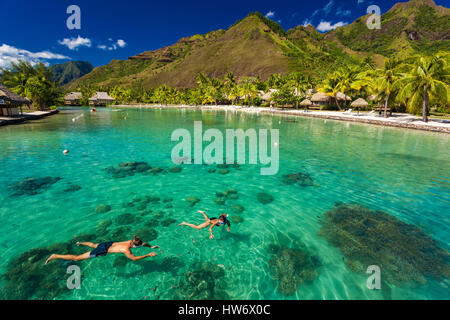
(66, 151)
(275, 144)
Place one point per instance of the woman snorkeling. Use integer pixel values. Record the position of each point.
(210, 222)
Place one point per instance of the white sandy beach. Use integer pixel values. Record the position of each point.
(396, 120)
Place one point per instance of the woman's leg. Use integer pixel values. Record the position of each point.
(204, 215)
(199, 227)
(71, 257)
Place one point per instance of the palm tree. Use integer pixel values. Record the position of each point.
(299, 83)
(248, 91)
(384, 80)
(331, 86)
(428, 76)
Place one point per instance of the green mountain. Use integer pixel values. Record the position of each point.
(417, 26)
(258, 47)
(69, 71)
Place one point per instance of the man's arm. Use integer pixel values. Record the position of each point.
(131, 256)
(149, 246)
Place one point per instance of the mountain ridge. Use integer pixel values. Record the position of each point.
(258, 47)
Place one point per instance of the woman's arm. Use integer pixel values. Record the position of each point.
(229, 226)
(210, 230)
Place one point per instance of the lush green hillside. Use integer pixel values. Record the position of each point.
(414, 26)
(71, 70)
(257, 46)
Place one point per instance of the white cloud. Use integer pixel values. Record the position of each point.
(315, 13)
(114, 46)
(75, 43)
(325, 26)
(9, 54)
(121, 43)
(328, 7)
(360, 1)
(270, 14)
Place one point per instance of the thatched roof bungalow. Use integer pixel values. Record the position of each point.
(359, 103)
(306, 103)
(73, 99)
(320, 98)
(10, 102)
(101, 99)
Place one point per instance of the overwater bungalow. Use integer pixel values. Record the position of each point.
(101, 99)
(73, 99)
(10, 102)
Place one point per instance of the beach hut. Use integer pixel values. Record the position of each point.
(359, 103)
(101, 99)
(320, 99)
(342, 97)
(73, 99)
(306, 103)
(11, 102)
(267, 96)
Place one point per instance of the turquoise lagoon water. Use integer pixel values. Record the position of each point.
(403, 172)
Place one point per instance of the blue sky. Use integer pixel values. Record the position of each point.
(37, 31)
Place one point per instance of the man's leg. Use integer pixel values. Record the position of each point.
(88, 244)
(71, 257)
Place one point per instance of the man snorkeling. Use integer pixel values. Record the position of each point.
(209, 222)
(102, 249)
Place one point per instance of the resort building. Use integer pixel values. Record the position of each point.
(11, 102)
(73, 99)
(101, 99)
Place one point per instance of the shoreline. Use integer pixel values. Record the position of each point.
(405, 121)
(5, 121)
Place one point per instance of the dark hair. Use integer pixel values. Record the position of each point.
(137, 241)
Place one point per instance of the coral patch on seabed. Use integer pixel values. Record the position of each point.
(264, 198)
(204, 281)
(128, 169)
(302, 179)
(102, 208)
(403, 251)
(72, 188)
(192, 200)
(292, 268)
(27, 277)
(32, 186)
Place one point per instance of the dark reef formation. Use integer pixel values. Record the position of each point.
(403, 251)
(300, 178)
(222, 197)
(32, 186)
(128, 169)
(72, 188)
(192, 200)
(27, 277)
(292, 267)
(204, 281)
(264, 198)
